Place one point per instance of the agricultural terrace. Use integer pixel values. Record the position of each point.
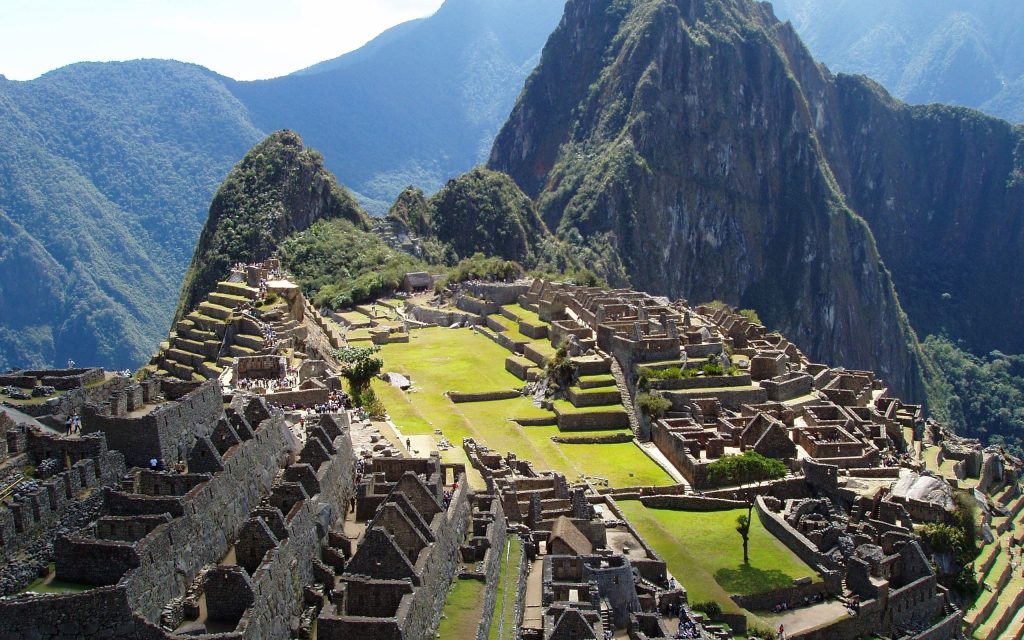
(705, 554)
(438, 360)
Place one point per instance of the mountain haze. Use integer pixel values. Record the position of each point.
(107, 170)
(968, 53)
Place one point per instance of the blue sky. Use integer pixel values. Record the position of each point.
(243, 39)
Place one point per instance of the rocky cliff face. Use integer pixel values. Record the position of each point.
(943, 191)
(279, 188)
(678, 135)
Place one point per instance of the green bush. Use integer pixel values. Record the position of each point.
(710, 607)
(653, 406)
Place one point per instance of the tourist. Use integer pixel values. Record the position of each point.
(152, 463)
(69, 425)
(782, 632)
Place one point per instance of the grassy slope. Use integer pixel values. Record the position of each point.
(461, 615)
(704, 553)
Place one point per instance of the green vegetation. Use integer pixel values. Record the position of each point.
(686, 373)
(749, 467)
(339, 264)
(439, 360)
(359, 366)
(460, 617)
(653, 406)
(480, 267)
(691, 544)
(268, 196)
(503, 623)
(980, 397)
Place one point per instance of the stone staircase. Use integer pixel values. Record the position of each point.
(204, 342)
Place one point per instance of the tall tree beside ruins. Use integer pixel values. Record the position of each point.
(746, 469)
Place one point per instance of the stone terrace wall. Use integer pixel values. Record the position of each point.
(168, 432)
(498, 293)
(100, 614)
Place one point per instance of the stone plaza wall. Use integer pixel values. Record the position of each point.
(793, 539)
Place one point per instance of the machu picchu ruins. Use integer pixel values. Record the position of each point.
(513, 480)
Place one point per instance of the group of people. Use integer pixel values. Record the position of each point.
(687, 629)
(269, 385)
(808, 601)
(157, 464)
(73, 424)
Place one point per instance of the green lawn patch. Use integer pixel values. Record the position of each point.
(525, 315)
(438, 360)
(503, 625)
(565, 407)
(705, 554)
(461, 615)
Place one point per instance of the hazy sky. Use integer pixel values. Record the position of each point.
(243, 39)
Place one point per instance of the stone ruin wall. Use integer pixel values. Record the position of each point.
(419, 612)
(168, 432)
(497, 536)
(91, 465)
(172, 554)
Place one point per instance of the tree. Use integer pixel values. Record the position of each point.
(743, 528)
(749, 468)
(359, 365)
(653, 406)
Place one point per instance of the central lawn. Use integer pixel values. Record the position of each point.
(705, 554)
(461, 615)
(439, 360)
(432, 362)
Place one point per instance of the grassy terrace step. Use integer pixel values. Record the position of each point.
(539, 352)
(1004, 611)
(212, 310)
(987, 557)
(227, 300)
(237, 289)
(597, 382)
(1015, 631)
(593, 397)
(239, 351)
(192, 346)
(250, 341)
(518, 313)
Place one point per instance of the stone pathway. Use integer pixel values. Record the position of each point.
(533, 609)
(807, 618)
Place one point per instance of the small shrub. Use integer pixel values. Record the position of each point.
(711, 608)
(751, 316)
(762, 632)
(653, 406)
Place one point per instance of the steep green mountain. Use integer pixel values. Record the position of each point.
(419, 104)
(485, 212)
(678, 135)
(969, 53)
(278, 189)
(105, 172)
(980, 397)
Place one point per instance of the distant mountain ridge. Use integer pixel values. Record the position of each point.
(107, 170)
(968, 53)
